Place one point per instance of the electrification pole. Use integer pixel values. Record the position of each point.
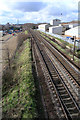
(74, 47)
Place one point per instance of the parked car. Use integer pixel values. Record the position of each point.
(13, 34)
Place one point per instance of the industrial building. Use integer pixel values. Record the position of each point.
(65, 27)
(56, 30)
(73, 25)
(55, 22)
(73, 32)
(43, 27)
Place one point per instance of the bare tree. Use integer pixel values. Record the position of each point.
(8, 57)
(22, 37)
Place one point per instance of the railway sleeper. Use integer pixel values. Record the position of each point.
(65, 96)
(72, 108)
(60, 88)
(62, 91)
(67, 99)
(74, 111)
(54, 75)
(74, 115)
(57, 82)
(53, 71)
(59, 85)
(70, 105)
(62, 116)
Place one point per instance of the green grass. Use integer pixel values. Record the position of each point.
(60, 48)
(26, 32)
(20, 101)
(62, 41)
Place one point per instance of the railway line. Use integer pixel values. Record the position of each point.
(69, 70)
(53, 39)
(60, 44)
(69, 107)
(74, 73)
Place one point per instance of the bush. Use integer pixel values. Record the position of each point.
(78, 54)
(21, 37)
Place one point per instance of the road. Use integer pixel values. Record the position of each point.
(8, 43)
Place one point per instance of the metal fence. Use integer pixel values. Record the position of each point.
(67, 39)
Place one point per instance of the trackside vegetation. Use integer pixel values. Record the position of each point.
(67, 47)
(19, 97)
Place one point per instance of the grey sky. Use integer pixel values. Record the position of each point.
(29, 6)
(42, 11)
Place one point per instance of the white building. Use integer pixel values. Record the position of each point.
(56, 30)
(72, 25)
(55, 22)
(43, 27)
(1, 33)
(73, 32)
(65, 26)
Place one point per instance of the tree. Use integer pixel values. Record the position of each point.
(33, 27)
(8, 58)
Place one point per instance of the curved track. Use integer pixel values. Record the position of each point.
(65, 98)
(66, 64)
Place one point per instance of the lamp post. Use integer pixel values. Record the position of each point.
(74, 46)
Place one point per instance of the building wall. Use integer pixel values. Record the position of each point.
(56, 30)
(73, 25)
(65, 27)
(43, 27)
(55, 22)
(73, 32)
(51, 22)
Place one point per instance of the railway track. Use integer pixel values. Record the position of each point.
(53, 39)
(68, 104)
(73, 73)
(69, 70)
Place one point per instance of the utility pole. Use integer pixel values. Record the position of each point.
(17, 21)
(74, 47)
(61, 16)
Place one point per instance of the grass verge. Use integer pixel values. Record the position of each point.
(66, 51)
(20, 100)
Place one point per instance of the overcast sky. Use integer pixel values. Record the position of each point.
(36, 11)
